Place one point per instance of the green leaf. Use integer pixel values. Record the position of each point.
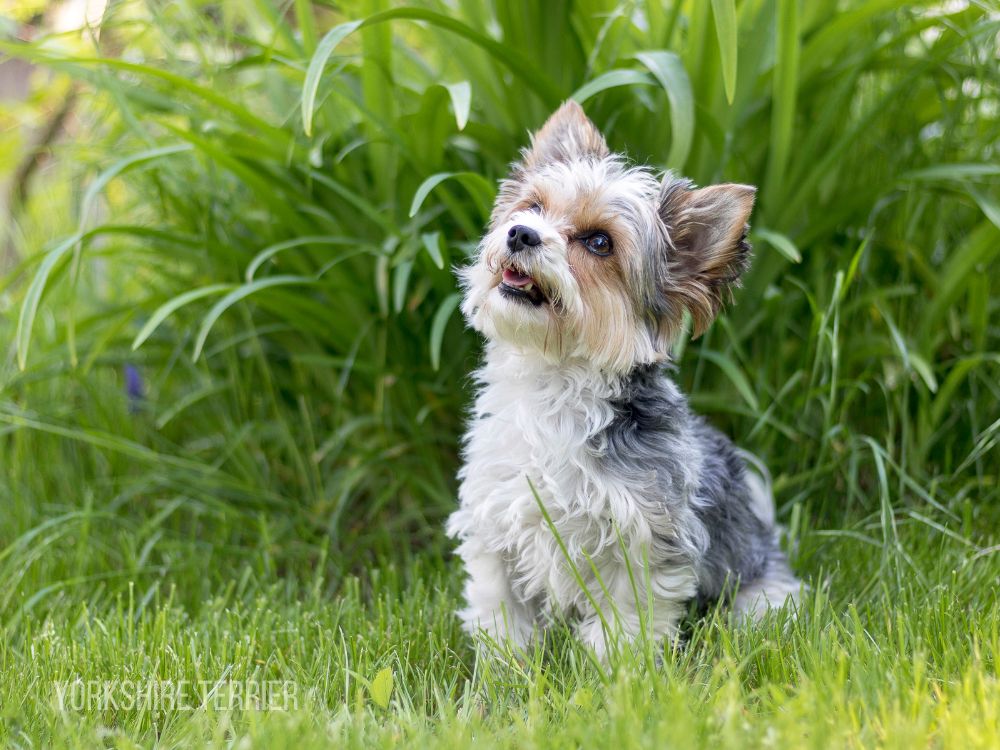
(779, 242)
(610, 80)
(924, 370)
(979, 248)
(174, 81)
(669, 71)
(725, 28)
(478, 186)
(241, 292)
(989, 207)
(958, 373)
(400, 280)
(736, 377)
(520, 67)
(306, 21)
(29, 308)
(953, 172)
(168, 308)
(269, 252)
(783, 95)
(318, 62)
(121, 166)
(439, 324)
(432, 244)
(461, 101)
(380, 688)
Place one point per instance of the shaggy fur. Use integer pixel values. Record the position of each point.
(579, 286)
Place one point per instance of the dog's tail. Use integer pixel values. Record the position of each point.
(758, 480)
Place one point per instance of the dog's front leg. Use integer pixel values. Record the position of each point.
(492, 614)
(620, 624)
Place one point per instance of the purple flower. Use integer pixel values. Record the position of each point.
(134, 387)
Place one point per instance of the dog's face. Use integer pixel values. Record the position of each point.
(588, 258)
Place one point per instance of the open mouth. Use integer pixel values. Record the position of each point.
(517, 285)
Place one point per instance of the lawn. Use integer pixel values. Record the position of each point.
(234, 376)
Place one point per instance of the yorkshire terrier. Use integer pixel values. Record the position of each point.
(590, 492)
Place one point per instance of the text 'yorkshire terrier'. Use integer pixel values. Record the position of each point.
(579, 286)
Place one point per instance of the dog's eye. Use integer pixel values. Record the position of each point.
(598, 243)
(535, 208)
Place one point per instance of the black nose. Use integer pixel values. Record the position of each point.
(520, 237)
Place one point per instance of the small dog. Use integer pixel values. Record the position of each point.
(589, 488)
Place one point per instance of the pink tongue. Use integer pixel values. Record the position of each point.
(513, 278)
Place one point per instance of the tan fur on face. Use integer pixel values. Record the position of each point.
(578, 201)
(609, 325)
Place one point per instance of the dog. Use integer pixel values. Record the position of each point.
(590, 492)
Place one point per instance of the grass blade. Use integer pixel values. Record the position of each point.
(783, 96)
(461, 100)
(438, 326)
(779, 242)
(612, 79)
(239, 293)
(725, 27)
(168, 308)
(317, 63)
(478, 186)
(669, 71)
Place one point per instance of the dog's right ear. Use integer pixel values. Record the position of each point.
(566, 136)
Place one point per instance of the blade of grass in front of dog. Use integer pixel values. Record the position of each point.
(573, 569)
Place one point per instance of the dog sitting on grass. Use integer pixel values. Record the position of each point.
(590, 491)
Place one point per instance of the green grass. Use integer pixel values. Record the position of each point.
(258, 208)
(888, 656)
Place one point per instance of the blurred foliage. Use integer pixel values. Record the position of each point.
(231, 211)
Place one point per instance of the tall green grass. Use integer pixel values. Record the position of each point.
(269, 199)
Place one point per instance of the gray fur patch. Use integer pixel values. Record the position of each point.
(654, 430)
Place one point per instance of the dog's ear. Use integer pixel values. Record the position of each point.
(566, 136)
(708, 249)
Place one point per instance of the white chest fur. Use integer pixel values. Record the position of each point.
(539, 422)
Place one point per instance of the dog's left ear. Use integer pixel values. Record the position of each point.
(566, 136)
(708, 249)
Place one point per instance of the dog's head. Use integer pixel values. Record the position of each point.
(589, 258)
